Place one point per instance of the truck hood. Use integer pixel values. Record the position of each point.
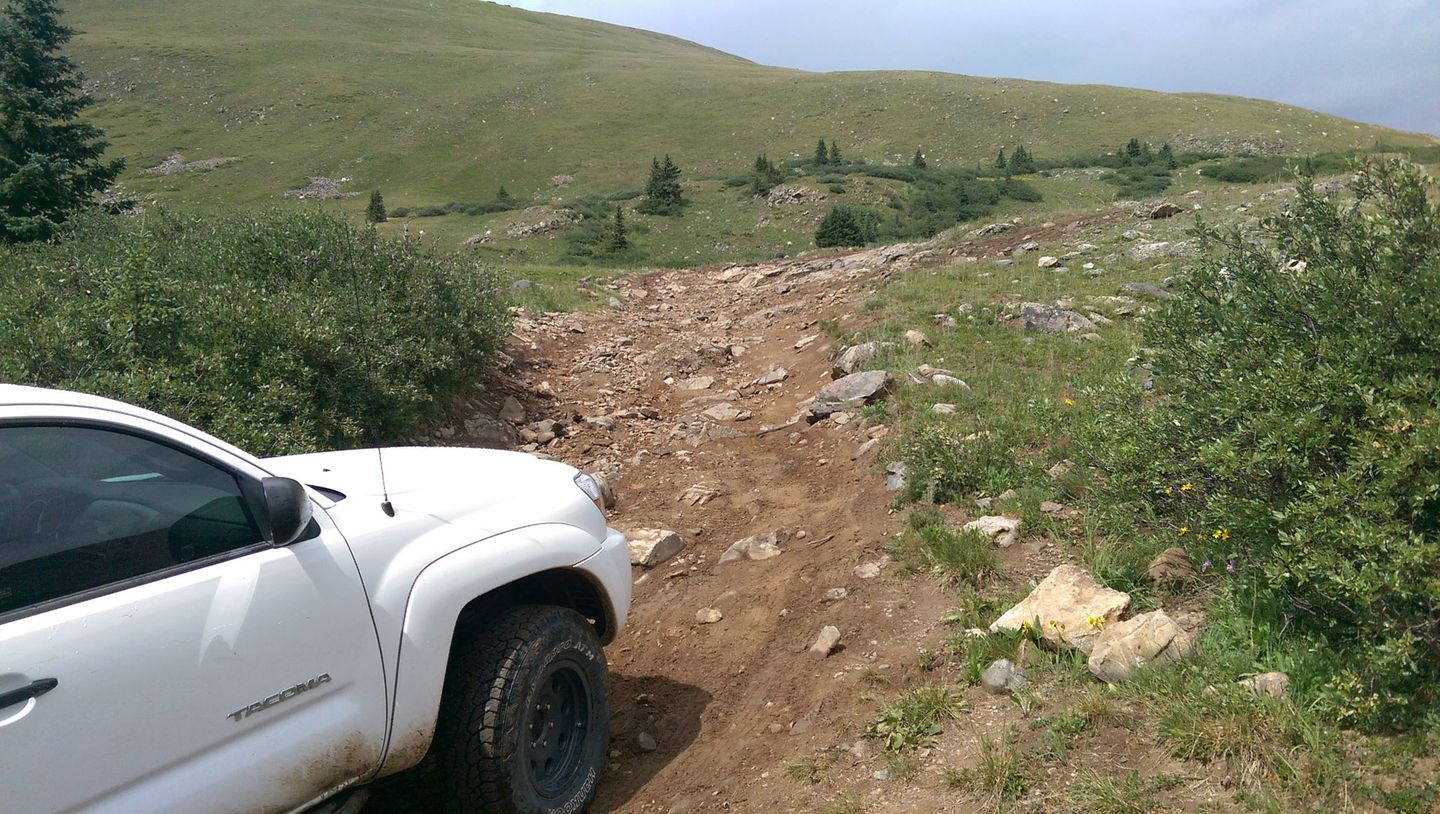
(491, 490)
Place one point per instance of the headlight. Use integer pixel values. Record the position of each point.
(591, 489)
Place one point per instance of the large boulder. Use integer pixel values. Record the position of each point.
(1149, 638)
(650, 547)
(1068, 607)
(852, 391)
(1053, 320)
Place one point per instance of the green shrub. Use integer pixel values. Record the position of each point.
(400, 212)
(1293, 435)
(431, 211)
(280, 332)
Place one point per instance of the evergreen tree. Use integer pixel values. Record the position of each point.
(834, 152)
(839, 228)
(766, 176)
(503, 196)
(1000, 160)
(50, 161)
(1168, 156)
(1132, 148)
(1020, 161)
(375, 212)
(662, 191)
(821, 156)
(918, 162)
(615, 240)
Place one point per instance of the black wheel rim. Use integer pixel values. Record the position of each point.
(556, 729)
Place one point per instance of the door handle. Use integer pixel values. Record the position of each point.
(35, 689)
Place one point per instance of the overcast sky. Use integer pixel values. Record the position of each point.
(1376, 61)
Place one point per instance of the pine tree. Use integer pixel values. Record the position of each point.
(50, 161)
(616, 241)
(1168, 156)
(662, 191)
(918, 162)
(1020, 161)
(839, 228)
(375, 212)
(834, 153)
(767, 175)
(1132, 148)
(1000, 160)
(503, 196)
(821, 156)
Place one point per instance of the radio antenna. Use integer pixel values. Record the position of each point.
(385, 505)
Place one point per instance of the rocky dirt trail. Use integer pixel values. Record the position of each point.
(691, 401)
(690, 395)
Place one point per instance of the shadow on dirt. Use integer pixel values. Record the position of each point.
(666, 710)
(660, 707)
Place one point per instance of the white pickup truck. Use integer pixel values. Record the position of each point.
(186, 628)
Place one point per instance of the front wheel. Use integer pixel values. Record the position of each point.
(525, 718)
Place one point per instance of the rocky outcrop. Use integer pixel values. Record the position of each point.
(1052, 320)
(542, 220)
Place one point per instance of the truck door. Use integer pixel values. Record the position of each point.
(155, 653)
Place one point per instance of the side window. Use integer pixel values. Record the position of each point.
(81, 508)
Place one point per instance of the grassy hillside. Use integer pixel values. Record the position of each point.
(440, 100)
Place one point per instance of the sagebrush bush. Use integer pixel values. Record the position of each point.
(1293, 435)
(281, 332)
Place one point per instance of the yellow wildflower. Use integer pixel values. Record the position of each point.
(1182, 531)
(1185, 487)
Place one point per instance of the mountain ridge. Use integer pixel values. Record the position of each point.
(447, 99)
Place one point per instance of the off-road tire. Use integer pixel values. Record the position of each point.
(524, 718)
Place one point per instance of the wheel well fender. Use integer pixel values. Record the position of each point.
(527, 566)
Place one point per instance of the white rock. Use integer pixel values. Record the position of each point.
(650, 547)
(708, 616)
(1147, 638)
(1273, 684)
(757, 547)
(1048, 262)
(998, 527)
(1069, 606)
(825, 642)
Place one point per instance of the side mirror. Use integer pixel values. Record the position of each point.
(287, 510)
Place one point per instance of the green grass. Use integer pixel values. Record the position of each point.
(957, 555)
(1105, 793)
(446, 100)
(1001, 775)
(915, 718)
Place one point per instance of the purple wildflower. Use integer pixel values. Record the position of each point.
(1230, 567)
(1204, 566)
